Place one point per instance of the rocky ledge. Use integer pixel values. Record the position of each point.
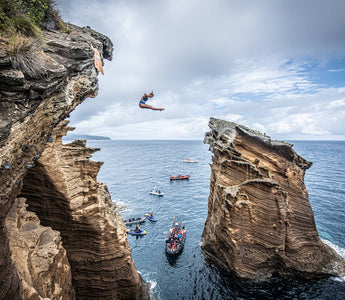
(60, 235)
(260, 221)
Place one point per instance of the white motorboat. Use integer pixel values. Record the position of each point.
(190, 160)
(156, 192)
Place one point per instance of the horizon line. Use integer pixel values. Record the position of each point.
(110, 139)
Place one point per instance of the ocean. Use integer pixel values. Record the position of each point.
(132, 168)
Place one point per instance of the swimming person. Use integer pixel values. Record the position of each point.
(142, 103)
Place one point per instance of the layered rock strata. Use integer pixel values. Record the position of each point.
(32, 110)
(260, 221)
(62, 189)
(38, 255)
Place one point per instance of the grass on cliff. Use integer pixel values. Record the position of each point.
(26, 55)
(29, 17)
(21, 37)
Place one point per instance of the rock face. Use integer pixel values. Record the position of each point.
(38, 255)
(62, 189)
(260, 221)
(58, 182)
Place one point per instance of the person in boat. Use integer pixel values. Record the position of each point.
(142, 102)
(137, 228)
(176, 235)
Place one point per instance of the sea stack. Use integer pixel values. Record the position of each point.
(60, 234)
(260, 221)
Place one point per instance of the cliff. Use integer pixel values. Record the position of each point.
(260, 221)
(60, 234)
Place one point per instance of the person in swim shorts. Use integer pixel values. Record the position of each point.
(142, 102)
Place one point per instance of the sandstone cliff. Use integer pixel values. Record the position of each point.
(38, 255)
(260, 221)
(85, 254)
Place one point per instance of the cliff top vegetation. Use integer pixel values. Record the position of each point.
(28, 17)
(21, 37)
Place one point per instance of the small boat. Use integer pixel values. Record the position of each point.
(190, 160)
(156, 191)
(150, 217)
(179, 177)
(138, 220)
(138, 232)
(175, 239)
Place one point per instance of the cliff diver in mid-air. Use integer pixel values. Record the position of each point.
(142, 102)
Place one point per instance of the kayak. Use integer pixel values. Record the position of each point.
(152, 219)
(175, 239)
(133, 232)
(138, 220)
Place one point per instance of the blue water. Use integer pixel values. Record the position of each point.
(132, 168)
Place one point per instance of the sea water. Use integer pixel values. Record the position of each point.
(132, 168)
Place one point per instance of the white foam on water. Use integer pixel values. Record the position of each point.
(154, 293)
(121, 206)
(341, 252)
(340, 279)
(152, 284)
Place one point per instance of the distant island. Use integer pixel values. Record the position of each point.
(85, 136)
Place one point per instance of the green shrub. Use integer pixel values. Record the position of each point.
(35, 9)
(27, 16)
(20, 26)
(25, 25)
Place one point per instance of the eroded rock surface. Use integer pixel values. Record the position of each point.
(33, 107)
(62, 189)
(260, 221)
(38, 255)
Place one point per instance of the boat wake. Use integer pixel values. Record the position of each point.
(341, 252)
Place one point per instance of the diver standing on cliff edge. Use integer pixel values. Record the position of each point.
(142, 102)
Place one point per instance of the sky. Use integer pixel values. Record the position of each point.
(277, 66)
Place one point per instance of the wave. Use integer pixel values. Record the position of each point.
(153, 291)
(341, 252)
(121, 206)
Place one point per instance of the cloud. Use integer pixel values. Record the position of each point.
(296, 107)
(251, 62)
(302, 123)
(175, 129)
(336, 70)
(337, 104)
